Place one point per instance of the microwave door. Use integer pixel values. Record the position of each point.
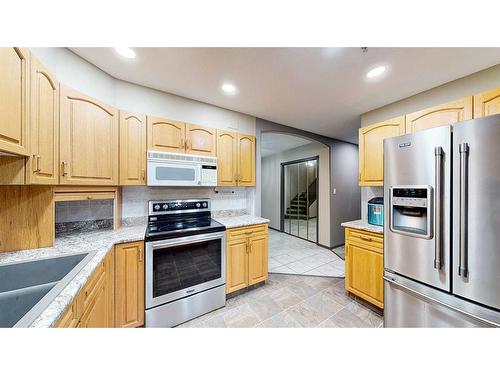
(173, 174)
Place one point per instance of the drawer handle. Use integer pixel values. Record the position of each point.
(248, 233)
(366, 238)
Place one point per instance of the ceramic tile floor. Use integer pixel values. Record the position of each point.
(291, 301)
(292, 255)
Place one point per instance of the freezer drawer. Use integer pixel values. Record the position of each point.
(408, 306)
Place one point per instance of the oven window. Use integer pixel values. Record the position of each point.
(175, 174)
(179, 267)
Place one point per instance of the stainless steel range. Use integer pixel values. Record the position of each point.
(185, 262)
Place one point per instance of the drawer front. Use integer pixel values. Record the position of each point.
(248, 231)
(371, 239)
(91, 288)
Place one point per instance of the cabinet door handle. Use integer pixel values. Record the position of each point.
(188, 144)
(143, 174)
(185, 143)
(37, 162)
(182, 143)
(366, 238)
(140, 255)
(63, 164)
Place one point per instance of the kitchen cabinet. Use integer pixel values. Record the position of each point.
(166, 135)
(371, 149)
(129, 285)
(246, 257)
(43, 164)
(93, 306)
(246, 160)
(364, 263)
(14, 100)
(227, 158)
(88, 140)
(201, 140)
(132, 149)
(487, 103)
(444, 114)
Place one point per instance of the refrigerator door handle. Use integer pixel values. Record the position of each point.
(464, 177)
(438, 154)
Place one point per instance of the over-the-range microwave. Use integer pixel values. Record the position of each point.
(172, 169)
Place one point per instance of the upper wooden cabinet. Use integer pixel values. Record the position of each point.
(132, 149)
(166, 135)
(88, 140)
(371, 149)
(227, 158)
(487, 103)
(14, 100)
(201, 140)
(246, 160)
(43, 166)
(444, 114)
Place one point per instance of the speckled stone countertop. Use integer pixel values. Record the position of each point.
(363, 225)
(100, 241)
(240, 221)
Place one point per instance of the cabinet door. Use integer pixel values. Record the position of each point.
(132, 149)
(129, 285)
(246, 160)
(166, 135)
(236, 265)
(200, 140)
(43, 166)
(88, 140)
(371, 149)
(257, 259)
(444, 114)
(487, 103)
(14, 100)
(227, 158)
(364, 272)
(70, 318)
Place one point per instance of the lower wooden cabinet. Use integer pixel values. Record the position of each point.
(129, 285)
(246, 257)
(364, 263)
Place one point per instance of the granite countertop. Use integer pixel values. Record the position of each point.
(100, 241)
(363, 225)
(240, 220)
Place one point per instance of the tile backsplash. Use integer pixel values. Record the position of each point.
(135, 198)
(87, 210)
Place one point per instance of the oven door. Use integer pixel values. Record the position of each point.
(179, 267)
(173, 174)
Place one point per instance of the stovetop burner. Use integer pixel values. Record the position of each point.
(178, 218)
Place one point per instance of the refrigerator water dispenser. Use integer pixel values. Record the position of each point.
(411, 210)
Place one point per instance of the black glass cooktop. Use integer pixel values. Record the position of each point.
(179, 227)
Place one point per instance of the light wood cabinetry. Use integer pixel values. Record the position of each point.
(444, 114)
(129, 285)
(487, 103)
(166, 135)
(14, 100)
(227, 158)
(246, 160)
(371, 149)
(88, 140)
(364, 264)
(43, 164)
(132, 149)
(201, 140)
(93, 306)
(246, 257)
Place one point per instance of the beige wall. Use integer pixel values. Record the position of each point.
(475, 83)
(271, 180)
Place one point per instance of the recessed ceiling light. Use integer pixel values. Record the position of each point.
(229, 88)
(375, 72)
(127, 52)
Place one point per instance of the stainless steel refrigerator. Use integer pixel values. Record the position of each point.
(442, 226)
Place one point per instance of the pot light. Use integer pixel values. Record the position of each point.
(127, 52)
(229, 88)
(375, 72)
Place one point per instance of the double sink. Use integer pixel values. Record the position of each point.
(28, 287)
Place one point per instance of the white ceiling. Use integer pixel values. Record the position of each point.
(322, 90)
(274, 143)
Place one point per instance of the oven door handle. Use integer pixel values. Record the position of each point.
(185, 241)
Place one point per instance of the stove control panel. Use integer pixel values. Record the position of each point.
(178, 206)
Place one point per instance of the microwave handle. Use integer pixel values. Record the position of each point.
(198, 175)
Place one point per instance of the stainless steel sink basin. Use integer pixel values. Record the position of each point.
(28, 287)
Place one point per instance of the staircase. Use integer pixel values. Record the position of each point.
(298, 205)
